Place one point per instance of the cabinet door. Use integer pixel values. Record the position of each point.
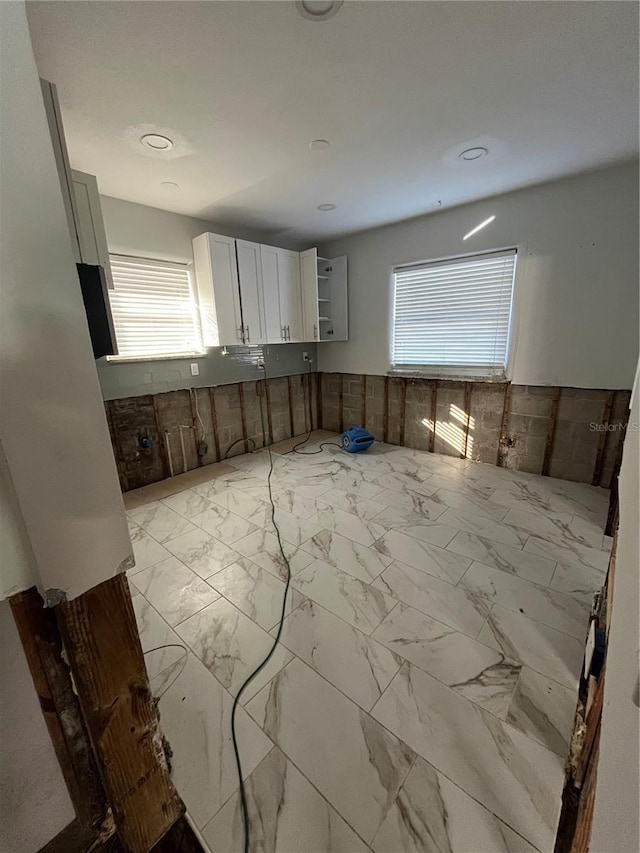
(271, 294)
(92, 237)
(309, 275)
(290, 294)
(218, 291)
(251, 295)
(339, 301)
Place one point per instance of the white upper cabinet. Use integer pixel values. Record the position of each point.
(92, 237)
(218, 288)
(282, 297)
(251, 292)
(324, 294)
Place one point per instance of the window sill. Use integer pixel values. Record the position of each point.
(494, 379)
(121, 359)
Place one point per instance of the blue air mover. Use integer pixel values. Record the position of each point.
(356, 439)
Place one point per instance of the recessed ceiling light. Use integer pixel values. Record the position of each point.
(157, 142)
(169, 185)
(319, 145)
(473, 153)
(318, 10)
(326, 207)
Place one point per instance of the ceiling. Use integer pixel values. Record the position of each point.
(398, 88)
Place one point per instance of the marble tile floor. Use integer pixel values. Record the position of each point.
(423, 695)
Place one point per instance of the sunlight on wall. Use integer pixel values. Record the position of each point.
(453, 431)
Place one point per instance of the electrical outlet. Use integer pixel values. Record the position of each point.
(195, 368)
(305, 356)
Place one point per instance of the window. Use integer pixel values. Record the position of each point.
(154, 308)
(452, 317)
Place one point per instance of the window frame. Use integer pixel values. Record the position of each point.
(453, 373)
(188, 267)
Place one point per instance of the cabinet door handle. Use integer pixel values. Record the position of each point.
(283, 333)
(241, 334)
(288, 333)
(315, 332)
(248, 335)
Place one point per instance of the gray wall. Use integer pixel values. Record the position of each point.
(576, 298)
(133, 378)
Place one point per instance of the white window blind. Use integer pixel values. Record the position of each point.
(154, 308)
(452, 317)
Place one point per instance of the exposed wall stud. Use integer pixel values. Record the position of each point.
(602, 440)
(385, 410)
(164, 452)
(243, 417)
(319, 401)
(504, 427)
(290, 402)
(403, 407)
(551, 432)
(340, 409)
(214, 422)
(196, 425)
(267, 397)
(468, 388)
(613, 482)
(434, 415)
(363, 400)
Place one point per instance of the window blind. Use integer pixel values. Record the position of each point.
(154, 308)
(453, 316)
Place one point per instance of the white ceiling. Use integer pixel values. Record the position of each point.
(399, 88)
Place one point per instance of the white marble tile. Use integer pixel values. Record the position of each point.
(563, 529)
(157, 635)
(480, 505)
(354, 663)
(255, 591)
(459, 483)
(512, 776)
(363, 563)
(579, 581)
(292, 501)
(345, 596)
(398, 518)
(547, 606)
(195, 715)
(286, 815)
(544, 710)
(346, 524)
(161, 522)
(513, 560)
(174, 590)
(432, 815)
(476, 671)
(146, 551)
(239, 502)
(356, 482)
(187, 503)
(570, 555)
(320, 730)
(420, 506)
(415, 485)
(214, 487)
(293, 529)
(202, 552)
(439, 599)
(262, 547)
(488, 528)
(544, 649)
(422, 555)
(350, 502)
(231, 645)
(224, 525)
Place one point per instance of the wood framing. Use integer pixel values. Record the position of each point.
(319, 401)
(385, 410)
(290, 401)
(551, 432)
(434, 415)
(214, 422)
(340, 405)
(243, 417)
(363, 400)
(403, 409)
(602, 442)
(468, 389)
(102, 643)
(504, 426)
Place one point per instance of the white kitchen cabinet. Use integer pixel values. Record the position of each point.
(92, 237)
(324, 296)
(251, 292)
(282, 297)
(218, 288)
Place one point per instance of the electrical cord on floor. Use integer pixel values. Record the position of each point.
(265, 661)
(183, 658)
(237, 441)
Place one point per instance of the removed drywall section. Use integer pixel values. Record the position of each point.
(576, 296)
(219, 366)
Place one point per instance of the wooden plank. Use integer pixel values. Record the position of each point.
(102, 643)
(434, 415)
(618, 460)
(363, 400)
(290, 402)
(42, 646)
(468, 389)
(602, 440)
(268, 406)
(214, 422)
(243, 417)
(504, 425)
(164, 456)
(319, 401)
(196, 425)
(403, 408)
(551, 432)
(340, 408)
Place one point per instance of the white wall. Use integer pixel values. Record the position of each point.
(135, 229)
(616, 818)
(576, 318)
(52, 421)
